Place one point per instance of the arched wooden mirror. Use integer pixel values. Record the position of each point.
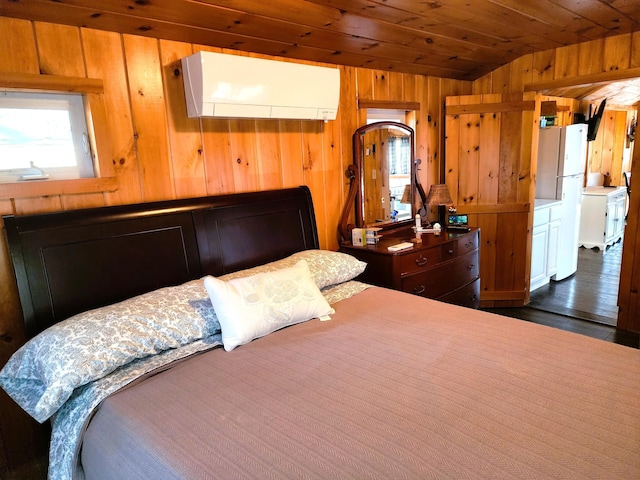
(382, 177)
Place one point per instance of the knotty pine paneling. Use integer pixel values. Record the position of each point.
(428, 149)
(489, 154)
(149, 114)
(185, 139)
(158, 153)
(489, 174)
(617, 52)
(468, 156)
(566, 62)
(635, 50)
(59, 50)
(591, 57)
(98, 45)
(18, 36)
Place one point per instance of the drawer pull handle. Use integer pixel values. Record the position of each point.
(469, 244)
(421, 261)
(450, 251)
(420, 290)
(471, 267)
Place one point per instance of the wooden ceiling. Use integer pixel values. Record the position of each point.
(460, 39)
(619, 94)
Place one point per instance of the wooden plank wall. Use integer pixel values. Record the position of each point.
(628, 297)
(607, 152)
(489, 173)
(159, 153)
(610, 153)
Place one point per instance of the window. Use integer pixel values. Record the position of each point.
(399, 155)
(383, 115)
(43, 136)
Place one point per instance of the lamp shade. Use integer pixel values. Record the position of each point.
(406, 195)
(439, 195)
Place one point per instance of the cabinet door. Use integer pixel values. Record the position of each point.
(552, 248)
(611, 223)
(539, 253)
(619, 227)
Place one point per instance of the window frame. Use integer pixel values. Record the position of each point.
(73, 104)
(92, 91)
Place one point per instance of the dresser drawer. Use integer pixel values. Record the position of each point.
(438, 267)
(468, 243)
(444, 278)
(467, 296)
(416, 261)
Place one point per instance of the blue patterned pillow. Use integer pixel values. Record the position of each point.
(41, 376)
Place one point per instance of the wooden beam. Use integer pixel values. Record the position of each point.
(30, 81)
(389, 105)
(41, 188)
(592, 79)
(490, 107)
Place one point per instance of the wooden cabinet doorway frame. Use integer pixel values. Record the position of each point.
(629, 287)
(496, 294)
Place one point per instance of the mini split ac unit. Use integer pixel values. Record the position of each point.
(220, 85)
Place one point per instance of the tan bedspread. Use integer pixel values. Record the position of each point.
(394, 386)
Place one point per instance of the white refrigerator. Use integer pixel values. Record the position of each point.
(562, 156)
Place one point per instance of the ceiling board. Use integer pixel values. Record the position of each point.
(459, 39)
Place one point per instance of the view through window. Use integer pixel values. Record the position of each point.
(43, 136)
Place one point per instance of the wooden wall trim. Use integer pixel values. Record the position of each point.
(57, 187)
(389, 105)
(491, 107)
(57, 83)
(575, 81)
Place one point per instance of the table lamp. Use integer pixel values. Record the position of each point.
(439, 197)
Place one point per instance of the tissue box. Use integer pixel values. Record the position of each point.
(359, 237)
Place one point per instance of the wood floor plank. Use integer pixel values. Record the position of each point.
(591, 294)
(585, 303)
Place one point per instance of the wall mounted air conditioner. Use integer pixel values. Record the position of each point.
(220, 85)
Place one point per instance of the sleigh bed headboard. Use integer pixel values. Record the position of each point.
(72, 261)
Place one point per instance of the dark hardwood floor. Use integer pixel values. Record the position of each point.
(590, 294)
(584, 303)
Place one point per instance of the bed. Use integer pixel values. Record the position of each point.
(212, 338)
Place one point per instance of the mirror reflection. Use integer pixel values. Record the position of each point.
(384, 151)
(382, 178)
(386, 175)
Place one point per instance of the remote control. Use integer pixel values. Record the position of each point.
(400, 246)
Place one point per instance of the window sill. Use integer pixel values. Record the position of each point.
(41, 188)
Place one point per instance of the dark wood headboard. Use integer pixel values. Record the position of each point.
(69, 262)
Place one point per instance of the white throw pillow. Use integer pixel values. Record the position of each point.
(251, 307)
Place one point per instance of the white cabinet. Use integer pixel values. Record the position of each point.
(544, 244)
(602, 217)
(554, 235)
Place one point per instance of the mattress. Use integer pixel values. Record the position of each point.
(393, 386)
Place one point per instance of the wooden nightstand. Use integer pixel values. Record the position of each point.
(445, 267)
